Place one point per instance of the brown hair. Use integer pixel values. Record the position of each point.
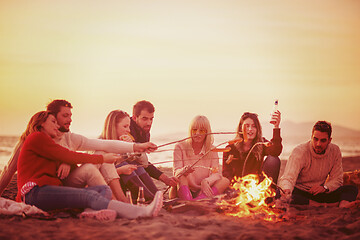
(323, 126)
(34, 124)
(143, 105)
(55, 105)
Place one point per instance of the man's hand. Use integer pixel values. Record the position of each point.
(316, 190)
(170, 181)
(63, 171)
(147, 147)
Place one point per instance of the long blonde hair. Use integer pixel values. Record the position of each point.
(113, 118)
(201, 122)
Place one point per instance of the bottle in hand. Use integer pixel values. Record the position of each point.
(275, 109)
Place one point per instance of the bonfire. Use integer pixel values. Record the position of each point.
(251, 198)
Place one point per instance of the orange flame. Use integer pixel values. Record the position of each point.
(251, 198)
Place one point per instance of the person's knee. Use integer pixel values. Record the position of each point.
(140, 171)
(89, 168)
(349, 193)
(273, 162)
(271, 167)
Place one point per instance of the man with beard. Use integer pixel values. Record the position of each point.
(86, 174)
(314, 173)
(140, 125)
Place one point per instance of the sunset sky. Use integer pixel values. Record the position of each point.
(216, 58)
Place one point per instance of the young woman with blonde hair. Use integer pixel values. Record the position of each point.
(204, 179)
(132, 176)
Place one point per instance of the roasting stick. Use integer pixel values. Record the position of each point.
(192, 165)
(169, 143)
(169, 161)
(181, 140)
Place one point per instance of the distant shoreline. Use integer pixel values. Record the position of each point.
(349, 164)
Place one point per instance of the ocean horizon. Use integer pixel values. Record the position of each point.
(164, 155)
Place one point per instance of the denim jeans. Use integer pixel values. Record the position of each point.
(271, 167)
(50, 197)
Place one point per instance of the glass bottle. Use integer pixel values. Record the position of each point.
(275, 109)
(128, 196)
(141, 198)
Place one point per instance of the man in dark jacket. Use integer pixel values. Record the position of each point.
(140, 125)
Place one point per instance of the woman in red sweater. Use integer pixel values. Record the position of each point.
(39, 185)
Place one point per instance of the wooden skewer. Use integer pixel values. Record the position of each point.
(183, 173)
(181, 140)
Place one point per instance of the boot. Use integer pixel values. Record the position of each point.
(133, 185)
(202, 195)
(184, 193)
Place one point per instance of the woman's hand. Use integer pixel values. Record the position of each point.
(206, 189)
(63, 170)
(275, 119)
(126, 169)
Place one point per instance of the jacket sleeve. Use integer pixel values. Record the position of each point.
(44, 146)
(153, 171)
(275, 148)
(226, 168)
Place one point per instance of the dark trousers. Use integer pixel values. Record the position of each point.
(347, 192)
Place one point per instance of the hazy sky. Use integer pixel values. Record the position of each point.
(216, 58)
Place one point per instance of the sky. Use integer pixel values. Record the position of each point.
(214, 58)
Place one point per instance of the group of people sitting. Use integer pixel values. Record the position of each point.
(49, 154)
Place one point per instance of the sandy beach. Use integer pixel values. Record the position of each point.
(204, 222)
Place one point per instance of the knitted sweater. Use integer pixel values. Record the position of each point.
(306, 169)
(39, 158)
(202, 169)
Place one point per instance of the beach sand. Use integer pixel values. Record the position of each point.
(195, 223)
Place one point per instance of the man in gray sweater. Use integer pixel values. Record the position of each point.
(314, 173)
